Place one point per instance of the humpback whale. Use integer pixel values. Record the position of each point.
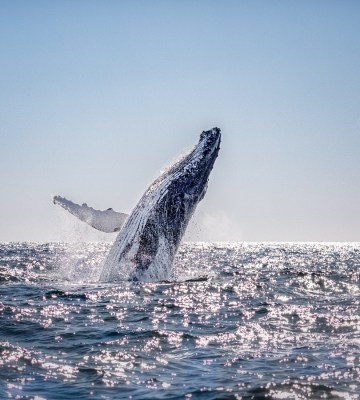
(149, 238)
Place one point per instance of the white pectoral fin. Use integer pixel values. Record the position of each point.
(105, 221)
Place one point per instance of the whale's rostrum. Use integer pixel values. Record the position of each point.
(147, 243)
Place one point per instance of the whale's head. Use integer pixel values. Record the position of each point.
(191, 174)
(184, 184)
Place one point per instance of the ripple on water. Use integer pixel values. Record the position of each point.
(251, 320)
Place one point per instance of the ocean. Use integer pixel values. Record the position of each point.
(240, 321)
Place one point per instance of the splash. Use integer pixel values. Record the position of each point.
(79, 262)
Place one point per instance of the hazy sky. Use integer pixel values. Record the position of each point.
(96, 97)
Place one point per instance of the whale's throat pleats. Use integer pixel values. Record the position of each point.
(148, 245)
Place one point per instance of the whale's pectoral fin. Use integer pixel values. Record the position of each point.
(105, 221)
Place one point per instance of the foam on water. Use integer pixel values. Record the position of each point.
(252, 320)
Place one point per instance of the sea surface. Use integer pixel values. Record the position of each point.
(240, 321)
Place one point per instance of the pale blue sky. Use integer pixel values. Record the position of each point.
(98, 96)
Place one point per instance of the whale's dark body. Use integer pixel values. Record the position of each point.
(148, 241)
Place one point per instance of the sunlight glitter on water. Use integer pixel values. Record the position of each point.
(255, 320)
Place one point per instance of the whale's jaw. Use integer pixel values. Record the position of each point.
(147, 243)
